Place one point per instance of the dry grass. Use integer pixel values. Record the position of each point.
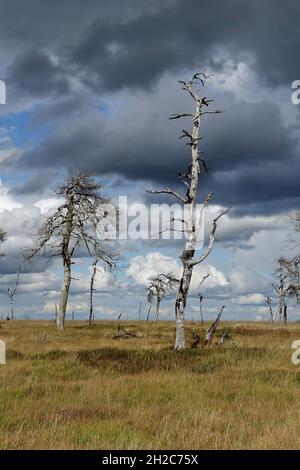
(80, 389)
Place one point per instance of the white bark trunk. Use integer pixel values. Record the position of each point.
(181, 303)
(157, 309)
(60, 319)
(189, 250)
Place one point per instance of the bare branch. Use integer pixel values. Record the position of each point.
(203, 279)
(169, 191)
(212, 329)
(212, 237)
(180, 115)
(217, 111)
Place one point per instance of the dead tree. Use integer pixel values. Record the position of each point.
(213, 328)
(123, 333)
(288, 284)
(77, 223)
(92, 281)
(159, 286)
(281, 309)
(11, 293)
(269, 301)
(191, 180)
(201, 297)
(148, 313)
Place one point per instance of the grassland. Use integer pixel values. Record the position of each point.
(81, 389)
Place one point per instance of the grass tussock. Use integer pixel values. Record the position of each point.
(81, 389)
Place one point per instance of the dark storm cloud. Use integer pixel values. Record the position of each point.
(116, 53)
(117, 44)
(35, 74)
(242, 147)
(111, 46)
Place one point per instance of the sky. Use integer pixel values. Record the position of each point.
(90, 86)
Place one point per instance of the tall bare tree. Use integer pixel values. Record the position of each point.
(78, 223)
(159, 286)
(191, 180)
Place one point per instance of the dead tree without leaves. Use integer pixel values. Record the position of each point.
(92, 281)
(201, 297)
(281, 309)
(190, 178)
(77, 224)
(288, 285)
(124, 333)
(12, 292)
(269, 301)
(159, 286)
(213, 328)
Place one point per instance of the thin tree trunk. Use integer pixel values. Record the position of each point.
(201, 313)
(148, 314)
(12, 308)
(91, 306)
(11, 294)
(271, 315)
(94, 272)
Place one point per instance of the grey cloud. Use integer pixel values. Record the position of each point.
(131, 44)
(116, 53)
(250, 154)
(36, 75)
